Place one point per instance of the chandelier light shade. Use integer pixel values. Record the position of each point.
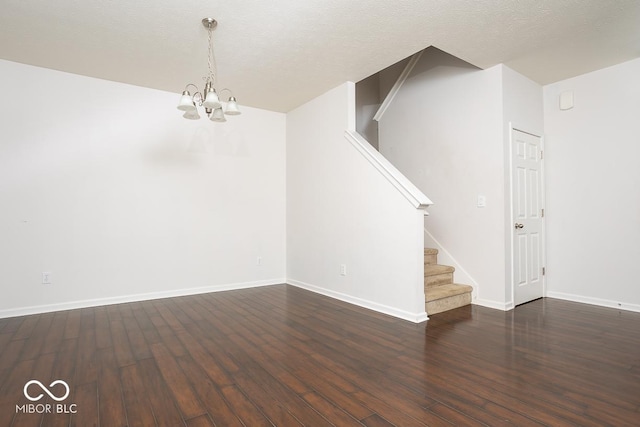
(218, 115)
(186, 102)
(209, 98)
(191, 115)
(232, 107)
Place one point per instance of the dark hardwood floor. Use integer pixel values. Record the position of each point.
(283, 356)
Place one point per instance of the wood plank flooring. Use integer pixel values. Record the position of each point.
(283, 356)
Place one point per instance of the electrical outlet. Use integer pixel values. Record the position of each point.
(46, 278)
(343, 269)
(259, 261)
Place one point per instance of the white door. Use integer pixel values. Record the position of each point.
(527, 217)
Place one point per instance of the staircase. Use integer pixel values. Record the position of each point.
(441, 294)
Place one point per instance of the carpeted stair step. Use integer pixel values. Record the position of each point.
(430, 256)
(436, 275)
(447, 297)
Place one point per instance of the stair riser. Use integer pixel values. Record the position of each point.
(430, 259)
(448, 303)
(438, 279)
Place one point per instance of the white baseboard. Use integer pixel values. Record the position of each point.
(595, 301)
(380, 308)
(504, 306)
(70, 305)
(23, 311)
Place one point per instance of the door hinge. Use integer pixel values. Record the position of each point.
(541, 154)
(544, 271)
(542, 213)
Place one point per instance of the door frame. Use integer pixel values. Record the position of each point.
(510, 233)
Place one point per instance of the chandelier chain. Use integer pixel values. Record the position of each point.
(211, 59)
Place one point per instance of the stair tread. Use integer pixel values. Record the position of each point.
(433, 269)
(430, 251)
(443, 291)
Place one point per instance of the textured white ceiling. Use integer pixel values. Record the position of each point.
(278, 54)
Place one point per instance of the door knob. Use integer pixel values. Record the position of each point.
(518, 225)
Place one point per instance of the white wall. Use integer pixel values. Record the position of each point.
(340, 210)
(444, 132)
(522, 109)
(593, 188)
(107, 187)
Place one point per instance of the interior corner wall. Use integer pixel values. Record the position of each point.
(593, 182)
(108, 188)
(342, 211)
(367, 104)
(522, 108)
(444, 132)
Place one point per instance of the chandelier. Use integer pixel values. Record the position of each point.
(208, 98)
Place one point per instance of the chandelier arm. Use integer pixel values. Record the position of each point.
(191, 85)
(198, 97)
(228, 90)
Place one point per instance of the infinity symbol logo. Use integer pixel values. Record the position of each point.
(46, 390)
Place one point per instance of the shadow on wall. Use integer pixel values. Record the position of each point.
(192, 143)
